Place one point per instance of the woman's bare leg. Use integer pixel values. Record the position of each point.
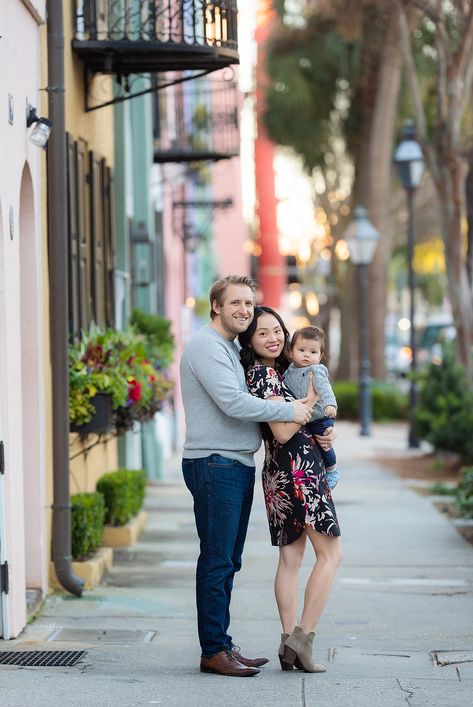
(329, 554)
(285, 582)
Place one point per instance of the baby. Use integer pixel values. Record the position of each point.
(307, 348)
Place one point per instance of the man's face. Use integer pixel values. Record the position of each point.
(236, 312)
(306, 352)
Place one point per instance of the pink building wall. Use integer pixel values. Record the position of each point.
(22, 417)
(175, 268)
(229, 227)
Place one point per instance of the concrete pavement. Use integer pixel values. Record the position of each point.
(401, 604)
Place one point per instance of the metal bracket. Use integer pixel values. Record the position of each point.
(222, 204)
(4, 578)
(120, 99)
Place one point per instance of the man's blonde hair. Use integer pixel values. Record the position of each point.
(217, 291)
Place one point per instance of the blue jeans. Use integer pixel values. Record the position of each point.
(318, 427)
(223, 493)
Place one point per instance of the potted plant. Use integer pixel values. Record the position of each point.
(115, 364)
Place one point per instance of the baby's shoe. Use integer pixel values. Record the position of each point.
(332, 477)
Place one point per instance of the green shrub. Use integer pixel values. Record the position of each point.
(159, 338)
(124, 494)
(465, 492)
(444, 413)
(441, 489)
(388, 402)
(87, 520)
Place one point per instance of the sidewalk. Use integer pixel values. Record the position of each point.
(401, 603)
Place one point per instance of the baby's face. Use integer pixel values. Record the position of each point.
(306, 352)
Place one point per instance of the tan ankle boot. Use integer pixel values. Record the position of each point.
(298, 651)
(284, 665)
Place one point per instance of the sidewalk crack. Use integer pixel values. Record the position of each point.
(410, 693)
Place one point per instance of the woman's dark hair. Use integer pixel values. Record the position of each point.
(247, 355)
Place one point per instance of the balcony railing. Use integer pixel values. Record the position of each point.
(136, 36)
(201, 122)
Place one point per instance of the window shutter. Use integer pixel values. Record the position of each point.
(73, 241)
(97, 232)
(109, 242)
(83, 223)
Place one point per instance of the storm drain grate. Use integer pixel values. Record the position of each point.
(41, 658)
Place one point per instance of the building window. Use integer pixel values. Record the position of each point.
(90, 238)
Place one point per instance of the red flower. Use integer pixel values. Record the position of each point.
(134, 390)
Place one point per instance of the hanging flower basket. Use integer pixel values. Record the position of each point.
(116, 378)
(102, 417)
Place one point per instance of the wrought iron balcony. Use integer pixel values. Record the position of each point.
(201, 122)
(125, 37)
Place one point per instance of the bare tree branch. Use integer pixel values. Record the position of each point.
(426, 8)
(467, 85)
(442, 81)
(460, 7)
(416, 94)
(457, 77)
(466, 43)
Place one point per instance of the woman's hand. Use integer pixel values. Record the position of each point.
(326, 440)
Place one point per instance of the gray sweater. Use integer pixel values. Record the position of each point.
(221, 416)
(297, 381)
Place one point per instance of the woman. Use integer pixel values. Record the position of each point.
(298, 500)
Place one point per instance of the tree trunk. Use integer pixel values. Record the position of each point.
(379, 195)
(469, 219)
(450, 191)
(347, 368)
(381, 69)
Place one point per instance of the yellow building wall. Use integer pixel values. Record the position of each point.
(95, 127)
(87, 463)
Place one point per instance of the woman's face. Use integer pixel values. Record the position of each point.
(268, 339)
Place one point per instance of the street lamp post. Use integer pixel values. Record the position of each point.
(362, 238)
(410, 164)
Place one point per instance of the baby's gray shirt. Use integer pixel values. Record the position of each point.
(297, 381)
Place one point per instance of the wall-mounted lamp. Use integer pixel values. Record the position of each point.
(40, 133)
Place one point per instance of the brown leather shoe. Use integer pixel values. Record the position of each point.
(225, 663)
(249, 662)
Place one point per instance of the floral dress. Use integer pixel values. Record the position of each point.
(295, 487)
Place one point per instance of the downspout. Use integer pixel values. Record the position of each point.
(57, 246)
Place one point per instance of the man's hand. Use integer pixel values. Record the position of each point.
(330, 411)
(327, 439)
(302, 411)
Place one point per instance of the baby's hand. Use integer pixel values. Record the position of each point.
(331, 411)
(312, 395)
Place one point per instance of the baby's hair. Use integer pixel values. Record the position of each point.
(313, 333)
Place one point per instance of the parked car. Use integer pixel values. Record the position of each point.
(430, 340)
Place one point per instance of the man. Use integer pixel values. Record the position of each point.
(222, 435)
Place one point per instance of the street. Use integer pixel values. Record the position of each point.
(401, 604)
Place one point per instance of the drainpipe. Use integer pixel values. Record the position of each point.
(57, 246)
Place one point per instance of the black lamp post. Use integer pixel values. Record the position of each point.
(410, 164)
(362, 238)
